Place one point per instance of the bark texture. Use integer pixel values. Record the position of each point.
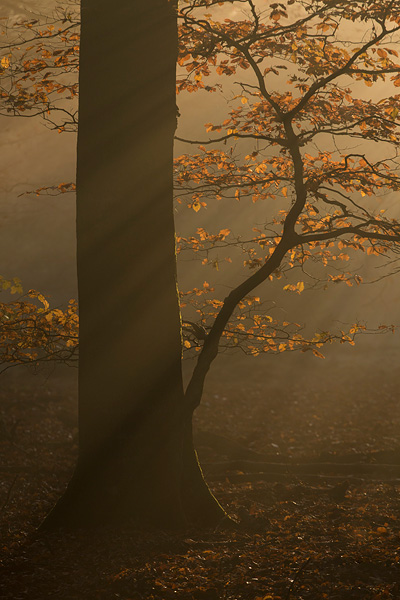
(137, 460)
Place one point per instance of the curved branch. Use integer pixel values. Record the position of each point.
(355, 230)
(317, 85)
(210, 348)
(232, 135)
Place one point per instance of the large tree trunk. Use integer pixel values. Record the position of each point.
(137, 460)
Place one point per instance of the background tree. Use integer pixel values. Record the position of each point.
(321, 219)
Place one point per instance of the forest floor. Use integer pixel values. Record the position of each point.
(305, 452)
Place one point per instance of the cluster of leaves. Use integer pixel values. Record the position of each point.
(38, 68)
(252, 330)
(33, 333)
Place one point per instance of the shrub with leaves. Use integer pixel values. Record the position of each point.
(33, 333)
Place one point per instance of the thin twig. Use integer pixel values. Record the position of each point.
(296, 577)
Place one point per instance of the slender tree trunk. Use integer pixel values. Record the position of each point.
(200, 506)
(136, 460)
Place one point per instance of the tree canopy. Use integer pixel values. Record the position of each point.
(300, 136)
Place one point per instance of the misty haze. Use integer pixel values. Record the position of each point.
(296, 421)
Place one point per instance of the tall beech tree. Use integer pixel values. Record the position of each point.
(136, 460)
(284, 143)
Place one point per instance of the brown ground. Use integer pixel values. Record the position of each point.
(304, 535)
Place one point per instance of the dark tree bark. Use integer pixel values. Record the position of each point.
(136, 460)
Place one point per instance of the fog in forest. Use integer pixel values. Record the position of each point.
(285, 409)
(37, 242)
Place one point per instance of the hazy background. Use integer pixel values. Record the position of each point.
(37, 240)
